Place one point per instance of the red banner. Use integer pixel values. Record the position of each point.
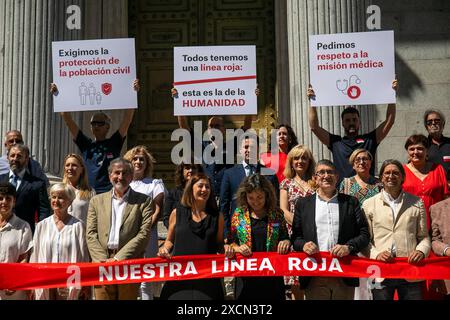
(21, 276)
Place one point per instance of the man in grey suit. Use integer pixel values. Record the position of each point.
(118, 227)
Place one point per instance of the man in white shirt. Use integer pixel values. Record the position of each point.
(118, 227)
(333, 222)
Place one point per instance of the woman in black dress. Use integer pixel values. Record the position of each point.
(183, 173)
(195, 227)
(258, 226)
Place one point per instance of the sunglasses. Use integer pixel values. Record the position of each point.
(98, 123)
(433, 121)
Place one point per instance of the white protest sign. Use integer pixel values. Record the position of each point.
(94, 74)
(352, 68)
(215, 80)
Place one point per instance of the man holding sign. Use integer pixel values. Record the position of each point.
(342, 147)
(352, 69)
(98, 153)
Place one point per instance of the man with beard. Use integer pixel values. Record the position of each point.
(342, 147)
(32, 195)
(439, 150)
(12, 138)
(118, 227)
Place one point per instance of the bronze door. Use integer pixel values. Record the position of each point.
(160, 25)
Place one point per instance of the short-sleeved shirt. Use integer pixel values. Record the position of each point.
(440, 154)
(15, 240)
(342, 148)
(97, 156)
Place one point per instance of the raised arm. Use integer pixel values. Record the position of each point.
(321, 133)
(129, 113)
(71, 125)
(384, 128)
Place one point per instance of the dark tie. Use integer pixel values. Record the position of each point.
(251, 169)
(14, 179)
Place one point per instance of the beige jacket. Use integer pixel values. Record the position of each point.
(134, 231)
(440, 225)
(409, 230)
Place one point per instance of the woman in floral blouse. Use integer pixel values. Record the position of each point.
(258, 226)
(298, 172)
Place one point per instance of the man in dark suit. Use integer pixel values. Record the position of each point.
(233, 177)
(329, 221)
(32, 194)
(12, 138)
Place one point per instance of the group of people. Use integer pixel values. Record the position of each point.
(107, 208)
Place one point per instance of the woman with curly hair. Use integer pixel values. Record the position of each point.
(258, 226)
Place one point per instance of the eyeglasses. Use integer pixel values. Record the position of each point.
(433, 121)
(15, 141)
(98, 123)
(362, 159)
(391, 173)
(322, 173)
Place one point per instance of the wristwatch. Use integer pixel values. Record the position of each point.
(351, 248)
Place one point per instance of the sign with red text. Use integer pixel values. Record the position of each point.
(94, 74)
(352, 68)
(215, 80)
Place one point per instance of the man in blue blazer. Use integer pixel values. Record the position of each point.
(32, 194)
(233, 177)
(333, 222)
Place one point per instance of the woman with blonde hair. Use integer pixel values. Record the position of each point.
(75, 176)
(299, 170)
(142, 162)
(362, 185)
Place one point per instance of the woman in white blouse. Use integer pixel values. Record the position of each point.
(142, 162)
(75, 175)
(60, 238)
(15, 237)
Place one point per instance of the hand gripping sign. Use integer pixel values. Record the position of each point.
(215, 80)
(94, 74)
(352, 68)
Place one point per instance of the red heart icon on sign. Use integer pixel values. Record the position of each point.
(106, 88)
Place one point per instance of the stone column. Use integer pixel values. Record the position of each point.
(304, 18)
(28, 28)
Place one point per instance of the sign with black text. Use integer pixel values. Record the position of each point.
(94, 74)
(352, 68)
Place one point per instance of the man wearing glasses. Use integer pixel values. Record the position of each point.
(98, 153)
(439, 150)
(333, 222)
(12, 138)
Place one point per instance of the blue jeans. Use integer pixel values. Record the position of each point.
(406, 290)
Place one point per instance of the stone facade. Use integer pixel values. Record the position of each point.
(422, 35)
